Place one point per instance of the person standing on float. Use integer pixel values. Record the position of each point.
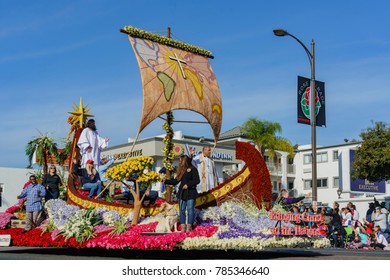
(206, 168)
(90, 144)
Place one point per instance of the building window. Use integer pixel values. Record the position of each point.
(322, 157)
(307, 184)
(275, 186)
(336, 183)
(321, 183)
(307, 159)
(335, 155)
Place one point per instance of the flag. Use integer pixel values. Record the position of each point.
(303, 102)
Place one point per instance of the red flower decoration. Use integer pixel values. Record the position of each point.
(261, 181)
(133, 238)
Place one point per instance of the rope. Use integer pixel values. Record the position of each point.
(132, 147)
(184, 121)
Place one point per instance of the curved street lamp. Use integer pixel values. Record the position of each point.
(281, 32)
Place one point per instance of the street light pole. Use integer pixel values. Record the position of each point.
(282, 32)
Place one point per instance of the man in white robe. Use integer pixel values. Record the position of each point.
(206, 169)
(90, 144)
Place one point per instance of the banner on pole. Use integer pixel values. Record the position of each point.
(304, 101)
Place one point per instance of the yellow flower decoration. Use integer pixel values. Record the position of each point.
(138, 168)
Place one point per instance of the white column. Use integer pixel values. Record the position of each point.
(284, 170)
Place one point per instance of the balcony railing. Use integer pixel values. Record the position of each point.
(277, 169)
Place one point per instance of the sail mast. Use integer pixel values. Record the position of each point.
(168, 144)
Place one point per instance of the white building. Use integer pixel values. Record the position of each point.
(12, 181)
(334, 164)
(333, 174)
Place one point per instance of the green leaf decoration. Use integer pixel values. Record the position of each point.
(136, 32)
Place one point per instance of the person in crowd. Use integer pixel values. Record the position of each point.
(326, 214)
(91, 179)
(380, 219)
(206, 169)
(106, 163)
(371, 209)
(302, 207)
(350, 207)
(286, 201)
(388, 222)
(346, 217)
(90, 144)
(346, 223)
(311, 213)
(362, 231)
(336, 207)
(337, 235)
(34, 193)
(356, 243)
(52, 182)
(188, 177)
(295, 210)
(355, 215)
(378, 239)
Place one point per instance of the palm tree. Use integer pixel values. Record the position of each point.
(45, 147)
(263, 134)
(64, 154)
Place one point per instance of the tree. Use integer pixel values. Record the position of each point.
(138, 168)
(372, 158)
(64, 154)
(263, 134)
(45, 148)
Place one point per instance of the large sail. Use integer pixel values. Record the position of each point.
(173, 78)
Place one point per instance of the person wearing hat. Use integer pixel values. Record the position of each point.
(91, 179)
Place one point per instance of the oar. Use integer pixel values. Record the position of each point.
(104, 189)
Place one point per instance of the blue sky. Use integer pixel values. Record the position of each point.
(54, 52)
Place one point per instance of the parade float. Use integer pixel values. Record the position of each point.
(178, 76)
(234, 215)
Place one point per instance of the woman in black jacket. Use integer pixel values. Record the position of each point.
(188, 177)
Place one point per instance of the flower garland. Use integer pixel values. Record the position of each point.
(136, 32)
(168, 149)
